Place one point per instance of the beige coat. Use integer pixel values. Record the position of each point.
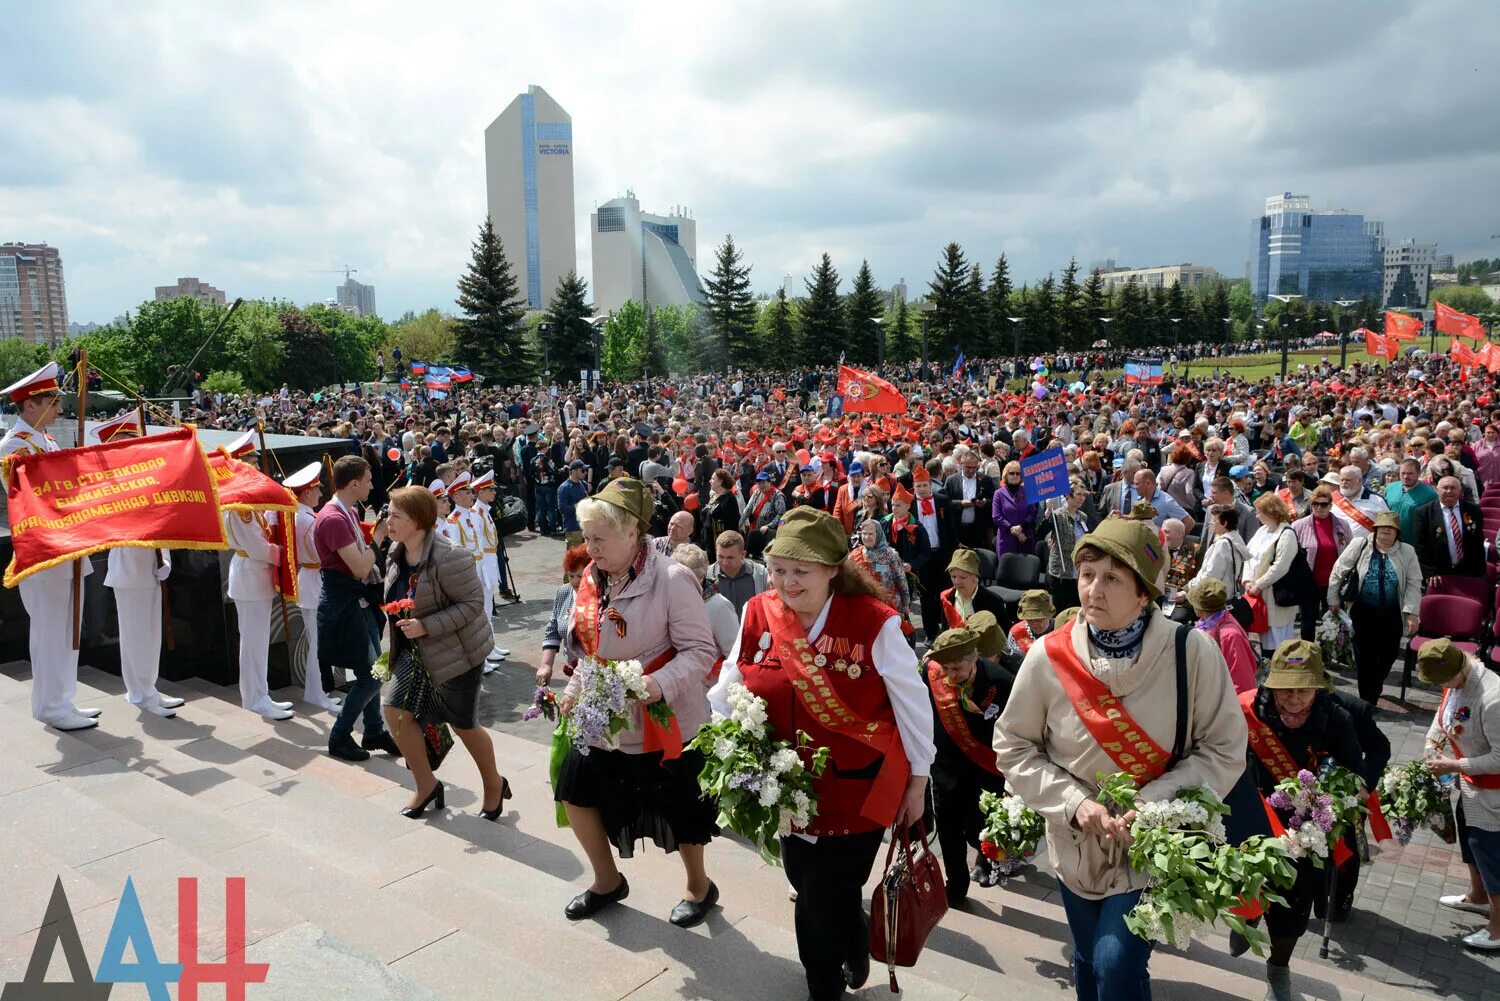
(1480, 742)
(450, 602)
(662, 607)
(1051, 761)
(1356, 560)
(1273, 564)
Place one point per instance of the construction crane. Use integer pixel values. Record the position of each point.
(346, 270)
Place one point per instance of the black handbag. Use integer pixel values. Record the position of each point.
(1349, 593)
(1297, 583)
(1239, 605)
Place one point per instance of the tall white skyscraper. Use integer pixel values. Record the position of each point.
(356, 297)
(528, 166)
(637, 255)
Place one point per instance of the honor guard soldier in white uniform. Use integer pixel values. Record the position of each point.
(252, 588)
(439, 490)
(465, 527)
(305, 484)
(135, 574)
(489, 567)
(48, 594)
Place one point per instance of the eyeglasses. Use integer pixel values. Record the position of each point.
(1321, 504)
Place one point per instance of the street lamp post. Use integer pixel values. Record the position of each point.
(1285, 299)
(1175, 328)
(1228, 329)
(1015, 337)
(879, 343)
(1345, 325)
(924, 307)
(597, 323)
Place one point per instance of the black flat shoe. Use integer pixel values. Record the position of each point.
(686, 913)
(857, 971)
(345, 749)
(504, 795)
(433, 798)
(382, 741)
(588, 903)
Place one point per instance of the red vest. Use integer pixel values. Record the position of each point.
(846, 641)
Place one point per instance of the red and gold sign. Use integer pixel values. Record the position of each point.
(867, 393)
(154, 492)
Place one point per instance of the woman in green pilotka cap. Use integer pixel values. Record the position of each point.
(1119, 660)
(633, 603)
(827, 655)
(1305, 728)
(966, 597)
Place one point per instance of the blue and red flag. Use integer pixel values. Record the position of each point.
(406, 385)
(418, 368)
(958, 365)
(461, 374)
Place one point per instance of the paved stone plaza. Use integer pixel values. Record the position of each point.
(346, 899)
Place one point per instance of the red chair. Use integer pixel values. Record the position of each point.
(1458, 618)
(1480, 589)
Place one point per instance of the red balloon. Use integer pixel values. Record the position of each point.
(690, 502)
(679, 486)
(394, 454)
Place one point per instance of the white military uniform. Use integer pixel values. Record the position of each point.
(48, 598)
(489, 565)
(252, 587)
(309, 588)
(465, 530)
(136, 579)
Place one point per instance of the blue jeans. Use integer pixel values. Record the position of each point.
(1109, 960)
(548, 518)
(363, 697)
(1485, 847)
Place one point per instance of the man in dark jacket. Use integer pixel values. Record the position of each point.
(1377, 750)
(1441, 549)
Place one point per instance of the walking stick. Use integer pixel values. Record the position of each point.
(1333, 884)
(82, 375)
(166, 598)
(291, 535)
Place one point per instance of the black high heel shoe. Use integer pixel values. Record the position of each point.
(434, 797)
(504, 795)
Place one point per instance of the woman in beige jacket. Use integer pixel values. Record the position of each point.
(1272, 551)
(1122, 649)
(637, 604)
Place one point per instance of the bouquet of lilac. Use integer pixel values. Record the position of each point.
(602, 711)
(1319, 815)
(543, 703)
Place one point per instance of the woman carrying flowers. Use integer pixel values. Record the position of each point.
(635, 604)
(1464, 741)
(1120, 661)
(827, 656)
(1296, 727)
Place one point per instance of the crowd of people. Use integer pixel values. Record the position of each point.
(1211, 535)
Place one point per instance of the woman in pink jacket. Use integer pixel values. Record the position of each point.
(1210, 600)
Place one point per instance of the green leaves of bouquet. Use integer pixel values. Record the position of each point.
(764, 787)
(1411, 797)
(1196, 879)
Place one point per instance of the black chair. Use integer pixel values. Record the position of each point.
(988, 565)
(1017, 573)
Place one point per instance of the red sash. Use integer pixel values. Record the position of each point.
(826, 711)
(1278, 760)
(765, 499)
(654, 736)
(951, 714)
(1480, 781)
(1351, 512)
(1103, 715)
(1286, 496)
(950, 610)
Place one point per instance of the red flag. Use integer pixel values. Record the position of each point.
(866, 393)
(244, 488)
(1451, 321)
(1379, 345)
(153, 492)
(1462, 354)
(1489, 356)
(1402, 327)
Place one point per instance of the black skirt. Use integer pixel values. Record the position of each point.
(639, 797)
(453, 702)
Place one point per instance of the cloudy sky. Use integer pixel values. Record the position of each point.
(253, 144)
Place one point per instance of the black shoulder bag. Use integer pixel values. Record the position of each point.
(1179, 739)
(1294, 586)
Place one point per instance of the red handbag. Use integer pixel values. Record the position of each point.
(908, 903)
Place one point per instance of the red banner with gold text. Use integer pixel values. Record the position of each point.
(154, 492)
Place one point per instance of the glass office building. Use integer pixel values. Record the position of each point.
(1321, 256)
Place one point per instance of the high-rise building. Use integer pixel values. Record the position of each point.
(1443, 262)
(190, 288)
(528, 167)
(1320, 256)
(355, 297)
(1186, 275)
(1407, 261)
(33, 303)
(649, 258)
(896, 296)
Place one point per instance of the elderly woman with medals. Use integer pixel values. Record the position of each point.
(635, 604)
(969, 690)
(827, 655)
(1119, 689)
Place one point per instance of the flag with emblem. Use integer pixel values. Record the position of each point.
(867, 393)
(1402, 327)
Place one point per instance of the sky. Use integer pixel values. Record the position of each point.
(262, 146)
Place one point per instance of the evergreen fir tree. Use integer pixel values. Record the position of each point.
(975, 339)
(864, 310)
(822, 317)
(949, 297)
(731, 311)
(1070, 326)
(901, 338)
(488, 337)
(779, 339)
(1096, 306)
(569, 338)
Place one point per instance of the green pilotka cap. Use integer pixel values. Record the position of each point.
(631, 496)
(1133, 543)
(810, 535)
(954, 644)
(987, 628)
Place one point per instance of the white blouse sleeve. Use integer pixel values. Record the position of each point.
(729, 674)
(897, 664)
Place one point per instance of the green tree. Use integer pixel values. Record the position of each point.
(111, 351)
(653, 351)
(900, 336)
(822, 333)
(1216, 309)
(356, 339)
(682, 338)
(1464, 298)
(1130, 328)
(224, 381)
(254, 345)
(730, 311)
(1000, 307)
(624, 339)
(487, 337)
(428, 337)
(1071, 327)
(569, 338)
(166, 335)
(974, 328)
(864, 310)
(1039, 330)
(948, 293)
(19, 358)
(778, 325)
(308, 363)
(1095, 306)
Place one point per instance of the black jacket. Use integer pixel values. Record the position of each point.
(1328, 732)
(1430, 539)
(984, 496)
(1374, 744)
(990, 692)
